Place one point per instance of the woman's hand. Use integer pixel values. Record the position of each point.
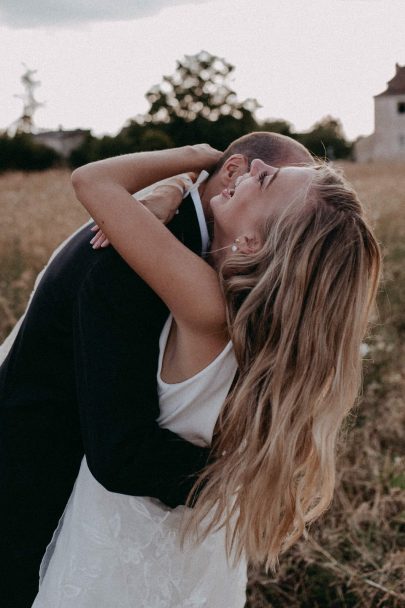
(163, 202)
(207, 157)
(99, 239)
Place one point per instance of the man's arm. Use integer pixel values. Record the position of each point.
(117, 323)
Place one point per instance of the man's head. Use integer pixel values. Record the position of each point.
(272, 148)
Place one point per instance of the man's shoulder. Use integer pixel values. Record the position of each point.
(71, 264)
(77, 255)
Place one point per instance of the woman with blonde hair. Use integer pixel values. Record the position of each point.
(284, 303)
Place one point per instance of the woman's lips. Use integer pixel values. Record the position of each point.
(226, 194)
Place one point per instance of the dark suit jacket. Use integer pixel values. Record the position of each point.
(81, 378)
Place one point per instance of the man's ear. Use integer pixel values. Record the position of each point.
(235, 165)
(248, 243)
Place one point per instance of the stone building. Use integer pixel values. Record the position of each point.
(61, 141)
(388, 140)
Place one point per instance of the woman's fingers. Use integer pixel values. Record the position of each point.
(99, 240)
(95, 237)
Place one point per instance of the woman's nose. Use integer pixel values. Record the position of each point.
(257, 166)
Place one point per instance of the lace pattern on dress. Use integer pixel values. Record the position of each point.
(123, 551)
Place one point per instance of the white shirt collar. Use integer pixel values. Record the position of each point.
(195, 195)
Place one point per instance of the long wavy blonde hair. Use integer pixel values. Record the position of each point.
(297, 314)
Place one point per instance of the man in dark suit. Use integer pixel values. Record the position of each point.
(80, 379)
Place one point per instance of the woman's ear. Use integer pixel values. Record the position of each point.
(233, 167)
(248, 243)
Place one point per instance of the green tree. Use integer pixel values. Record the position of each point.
(21, 152)
(277, 126)
(327, 139)
(93, 148)
(143, 136)
(199, 88)
(197, 103)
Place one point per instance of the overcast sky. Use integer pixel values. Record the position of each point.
(301, 59)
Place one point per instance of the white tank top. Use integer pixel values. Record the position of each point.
(191, 408)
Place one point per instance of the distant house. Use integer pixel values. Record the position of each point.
(61, 141)
(388, 140)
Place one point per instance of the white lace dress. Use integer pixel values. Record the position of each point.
(117, 551)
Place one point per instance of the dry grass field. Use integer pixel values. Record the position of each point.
(355, 557)
(37, 212)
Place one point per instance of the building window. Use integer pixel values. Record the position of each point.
(401, 107)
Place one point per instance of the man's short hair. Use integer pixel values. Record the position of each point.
(272, 148)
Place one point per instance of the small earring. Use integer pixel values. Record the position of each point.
(235, 246)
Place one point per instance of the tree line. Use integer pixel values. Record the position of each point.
(195, 104)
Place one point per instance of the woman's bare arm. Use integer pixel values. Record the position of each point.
(163, 201)
(187, 284)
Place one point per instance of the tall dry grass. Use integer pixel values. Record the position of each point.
(355, 556)
(37, 212)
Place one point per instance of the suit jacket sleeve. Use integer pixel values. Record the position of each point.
(117, 323)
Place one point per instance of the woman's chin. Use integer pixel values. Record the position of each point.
(215, 201)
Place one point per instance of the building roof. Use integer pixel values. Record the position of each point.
(395, 86)
(61, 133)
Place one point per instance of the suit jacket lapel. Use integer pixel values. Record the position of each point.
(185, 226)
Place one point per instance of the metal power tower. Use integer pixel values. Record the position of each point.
(25, 123)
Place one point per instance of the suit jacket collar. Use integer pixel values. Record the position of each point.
(185, 226)
(195, 195)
